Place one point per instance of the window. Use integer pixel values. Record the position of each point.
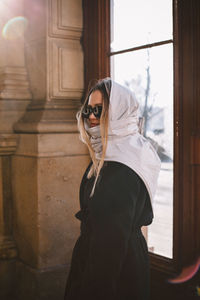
(142, 58)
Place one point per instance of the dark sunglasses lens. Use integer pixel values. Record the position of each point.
(97, 110)
(86, 112)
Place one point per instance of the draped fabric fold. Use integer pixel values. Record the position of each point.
(125, 144)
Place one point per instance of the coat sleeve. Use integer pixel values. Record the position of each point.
(112, 210)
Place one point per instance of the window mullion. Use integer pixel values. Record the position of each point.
(141, 47)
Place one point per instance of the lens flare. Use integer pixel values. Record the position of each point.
(15, 28)
(187, 273)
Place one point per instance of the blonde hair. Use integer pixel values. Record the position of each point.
(104, 86)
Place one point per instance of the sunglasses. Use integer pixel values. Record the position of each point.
(88, 109)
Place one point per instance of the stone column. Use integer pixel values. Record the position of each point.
(50, 159)
(14, 98)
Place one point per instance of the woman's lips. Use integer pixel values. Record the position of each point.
(93, 124)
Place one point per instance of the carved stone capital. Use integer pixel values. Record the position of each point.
(14, 83)
(8, 248)
(8, 144)
(49, 117)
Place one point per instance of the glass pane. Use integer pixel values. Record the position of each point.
(149, 73)
(138, 22)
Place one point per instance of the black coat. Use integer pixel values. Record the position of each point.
(110, 258)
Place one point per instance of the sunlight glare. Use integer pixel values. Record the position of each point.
(15, 28)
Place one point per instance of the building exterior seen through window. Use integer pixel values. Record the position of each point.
(142, 59)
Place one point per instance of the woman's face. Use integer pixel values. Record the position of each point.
(95, 99)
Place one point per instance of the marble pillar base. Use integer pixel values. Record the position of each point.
(45, 284)
(7, 279)
(47, 171)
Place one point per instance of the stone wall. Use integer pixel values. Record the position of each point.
(42, 159)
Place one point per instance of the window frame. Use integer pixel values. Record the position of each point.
(96, 46)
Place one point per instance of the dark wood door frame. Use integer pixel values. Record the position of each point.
(96, 39)
(186, 240)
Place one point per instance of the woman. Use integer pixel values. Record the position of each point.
(110, 258)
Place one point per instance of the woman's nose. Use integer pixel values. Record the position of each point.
(92, 116)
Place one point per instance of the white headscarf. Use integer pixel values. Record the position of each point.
(125, 144)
